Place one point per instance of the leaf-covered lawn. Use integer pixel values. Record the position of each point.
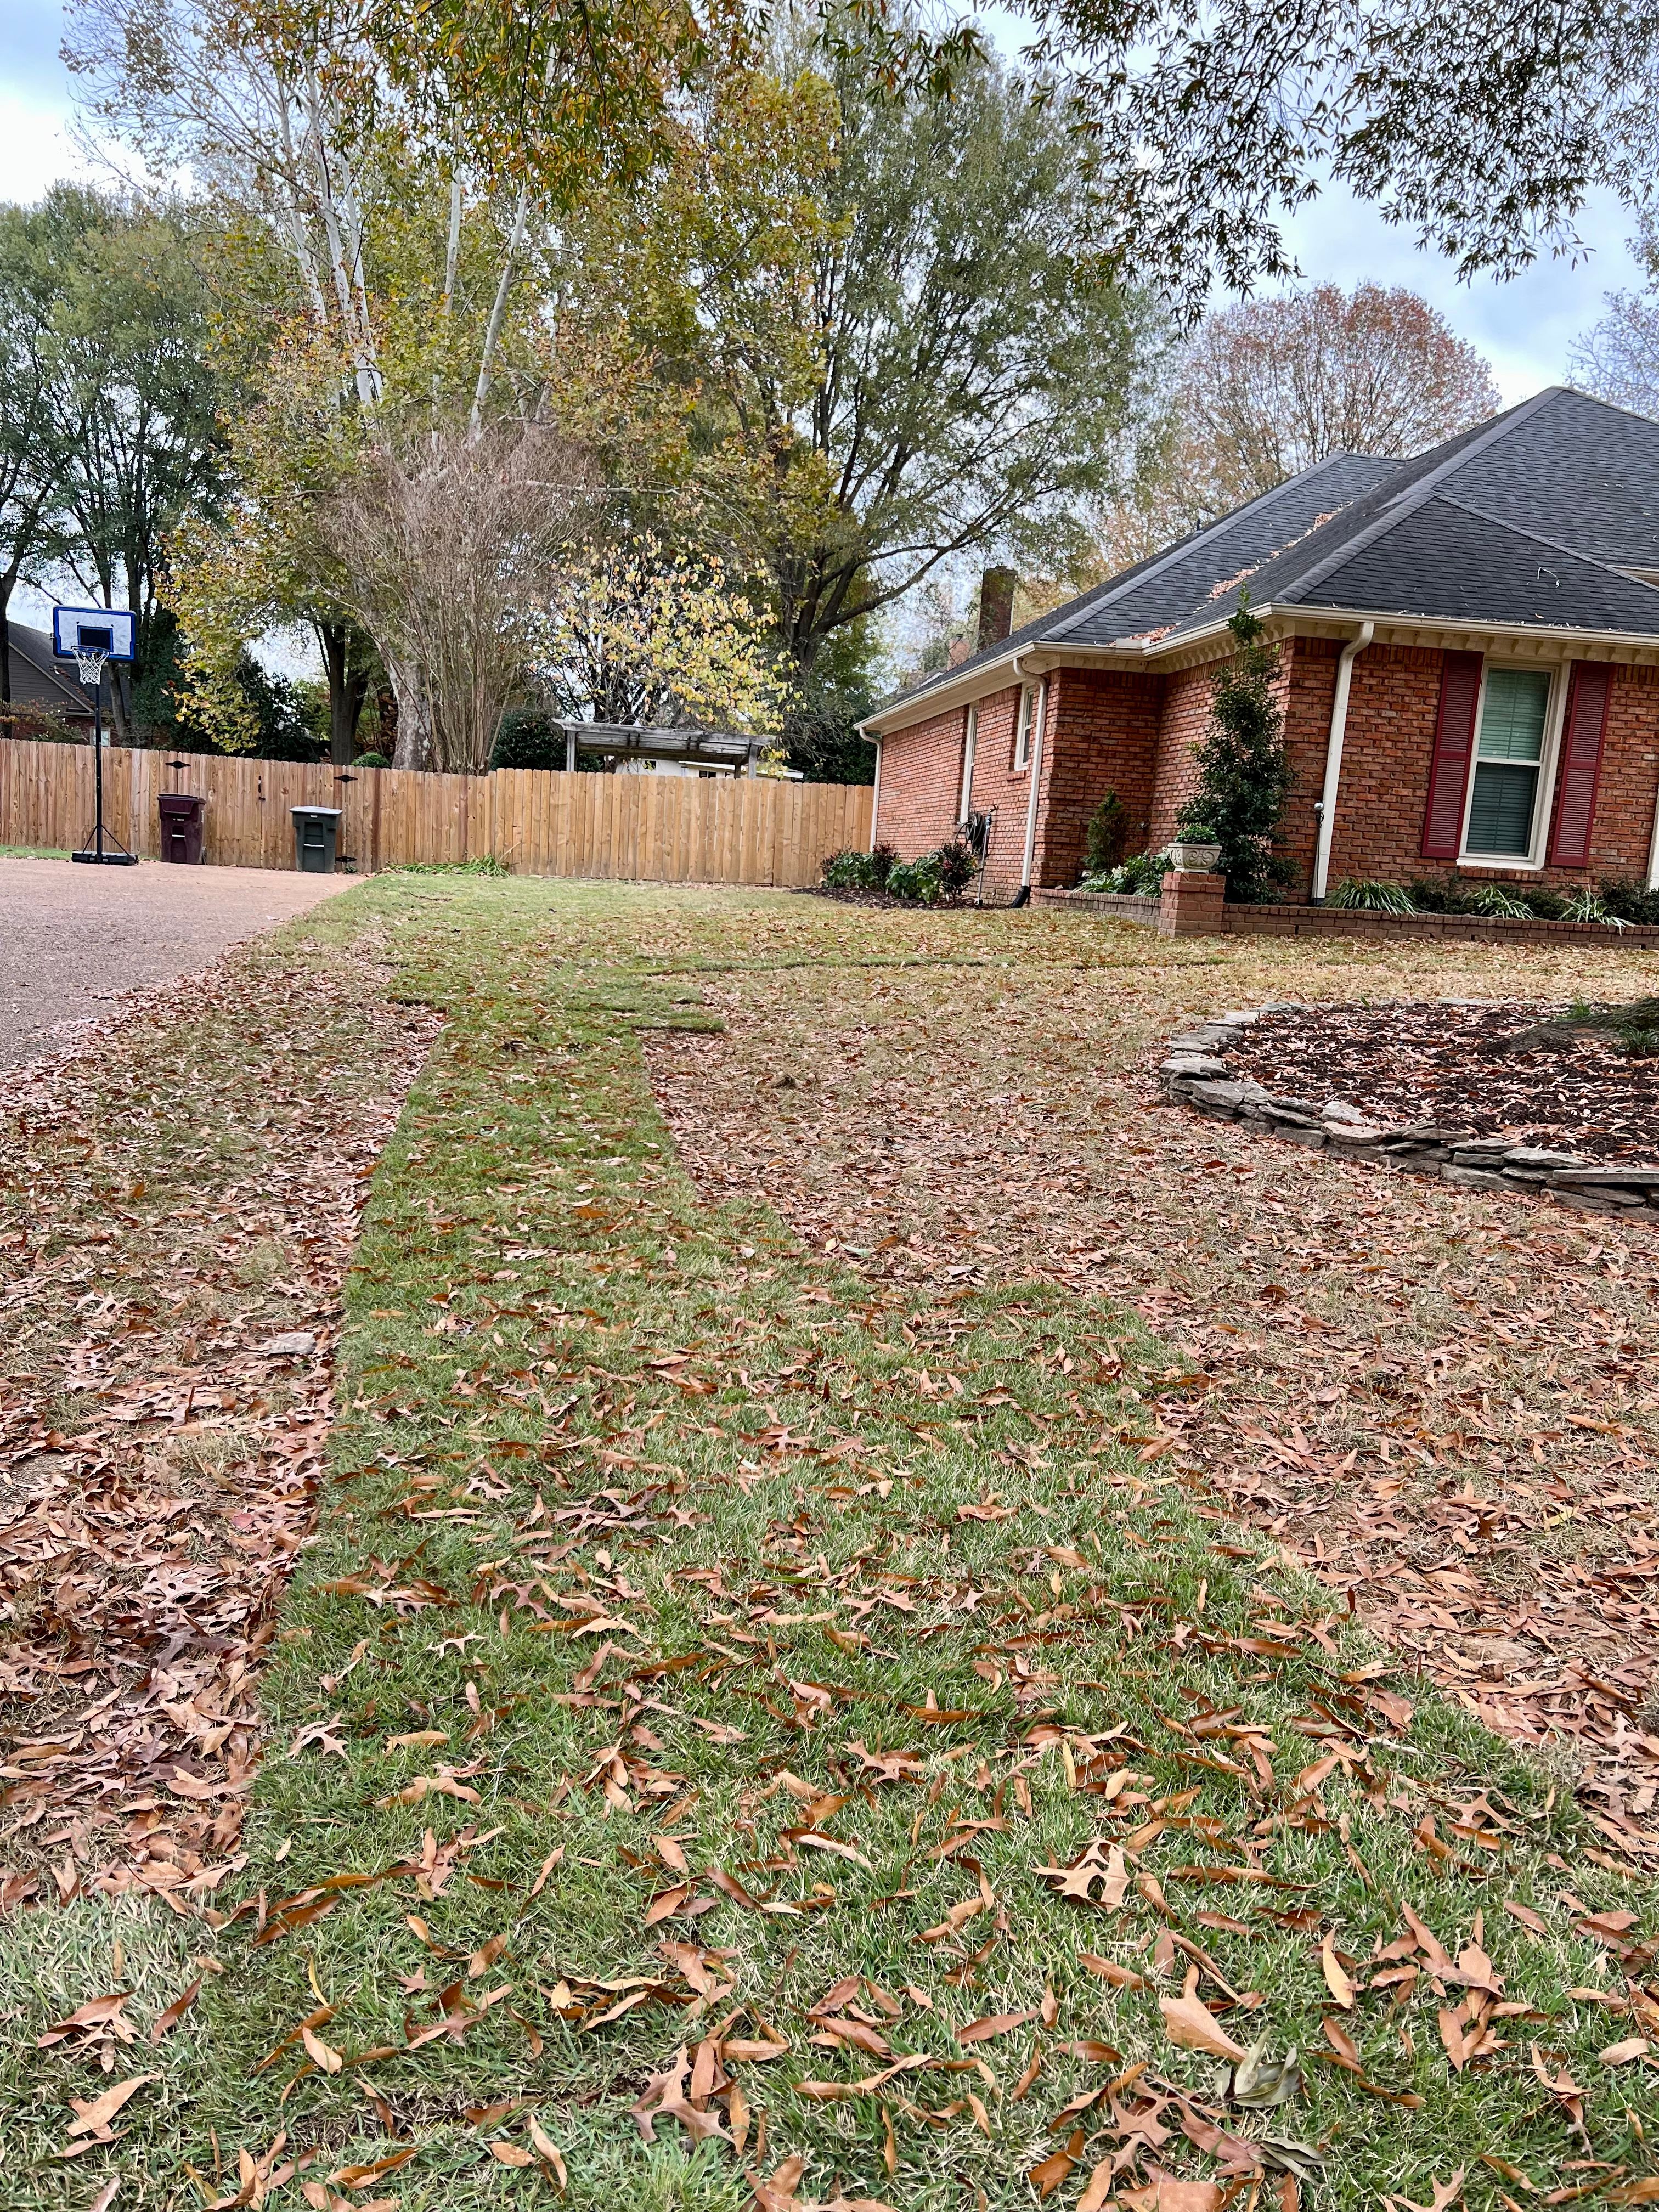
(1445, 1403)
(747, 1732)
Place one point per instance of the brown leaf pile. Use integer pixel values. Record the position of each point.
(1443, 1402)
(176, 1215)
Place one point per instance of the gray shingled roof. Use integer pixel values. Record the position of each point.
(39, 680)
(1162, 589)
(1528, 519)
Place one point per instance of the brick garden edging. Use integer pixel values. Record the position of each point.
(1355, 922)
(1196, 1074)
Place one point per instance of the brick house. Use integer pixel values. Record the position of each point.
(1468, 662)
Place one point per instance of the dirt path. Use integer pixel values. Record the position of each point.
(74, 939)
(1444, 1403)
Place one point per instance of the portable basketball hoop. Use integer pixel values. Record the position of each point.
(92, 637)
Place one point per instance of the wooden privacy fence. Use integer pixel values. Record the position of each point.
(652, 829)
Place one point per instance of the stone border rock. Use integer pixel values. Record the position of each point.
(1196, 1073)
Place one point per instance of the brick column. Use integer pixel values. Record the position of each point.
(1191, 904)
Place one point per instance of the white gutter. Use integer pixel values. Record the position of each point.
(1033, 769)
(1325, 806)
(875, 797)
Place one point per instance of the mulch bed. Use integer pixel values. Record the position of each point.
(1458, 1065)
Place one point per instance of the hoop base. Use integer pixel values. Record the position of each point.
(107, 860)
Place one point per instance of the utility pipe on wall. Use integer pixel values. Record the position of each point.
(875, 798)
(1325, 805)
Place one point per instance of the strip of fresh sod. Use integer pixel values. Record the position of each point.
(740, 1737)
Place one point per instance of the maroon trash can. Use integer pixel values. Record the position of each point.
(181, 826)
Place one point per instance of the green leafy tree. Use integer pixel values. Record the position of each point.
(35, 433)
(902, 348)
(130, 427)
(1243, 776)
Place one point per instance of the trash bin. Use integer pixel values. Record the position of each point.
(316, 838)
(181, 826)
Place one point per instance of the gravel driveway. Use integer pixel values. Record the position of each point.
(74, 939)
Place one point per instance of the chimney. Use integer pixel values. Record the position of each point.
(996, 606)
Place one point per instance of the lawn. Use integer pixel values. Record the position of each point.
(769, 1714)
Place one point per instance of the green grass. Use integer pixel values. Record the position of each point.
(32, 852)
(913, 1560)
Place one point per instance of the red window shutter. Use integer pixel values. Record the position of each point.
(1454, 750)
(1581, 762)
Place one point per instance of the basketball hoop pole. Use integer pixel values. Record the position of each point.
(91, 666)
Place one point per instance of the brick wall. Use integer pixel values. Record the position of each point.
(1003, 791)
(1103, 735)
(1186, 711)
(920, 784)
(1389, 746)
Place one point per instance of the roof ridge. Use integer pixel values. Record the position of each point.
(1551, 544)
(1145, 571)
(1418, 493)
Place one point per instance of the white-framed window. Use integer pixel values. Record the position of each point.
(1030, 713)
(970, 741)
(1513, 770)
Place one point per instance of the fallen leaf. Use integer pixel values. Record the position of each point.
(1620, 2054)
(95, 2114)
(998, 2023)
(1190, 2023)
(1057, 2168)
(168, 2020)
(1335, 1980)
(323, 2056)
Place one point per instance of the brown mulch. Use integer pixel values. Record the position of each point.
(1471, 1067)
(176, 1214)
(1445, 1404)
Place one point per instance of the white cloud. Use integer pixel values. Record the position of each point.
(36, 150)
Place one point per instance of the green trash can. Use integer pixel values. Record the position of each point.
(316, 838)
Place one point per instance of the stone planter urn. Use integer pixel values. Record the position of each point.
(1190, 856)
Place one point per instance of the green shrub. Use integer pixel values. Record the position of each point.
(913, 881)
(1628, 901)
(1107, 834)
(850, 871)
(528, 739)
(1143, 874)
(1493, 899)
(1585, 905)
(882, 860)
(371, 760)
(1243, 776)
(1368, 895)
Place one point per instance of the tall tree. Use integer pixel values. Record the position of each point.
(34, 436)
(138, 392)
(1270, 387)
(1618, 359)
(903, 348)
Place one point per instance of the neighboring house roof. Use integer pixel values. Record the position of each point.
(1532, 519)
(37, 679)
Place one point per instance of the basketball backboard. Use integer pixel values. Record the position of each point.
(79, 632)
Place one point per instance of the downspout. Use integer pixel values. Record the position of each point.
(1040, 716)
(1325, 805)
(875, 798)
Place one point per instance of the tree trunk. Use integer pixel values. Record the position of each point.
(344, 663)
(5, 642)
(416, 739)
